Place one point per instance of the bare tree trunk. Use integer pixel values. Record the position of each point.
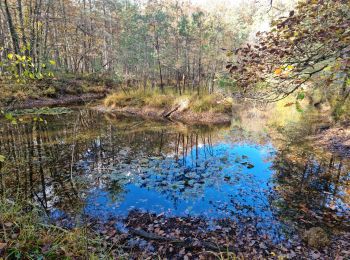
(13, 32)
(158, 59)
(21, 20)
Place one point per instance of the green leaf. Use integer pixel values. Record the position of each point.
(301, 96)
(2, 158)
(52, 62)
(39, 75)
(9, 116)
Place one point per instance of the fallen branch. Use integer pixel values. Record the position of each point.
(168, 114)
(187, 243)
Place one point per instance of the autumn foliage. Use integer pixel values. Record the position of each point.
(309, 46)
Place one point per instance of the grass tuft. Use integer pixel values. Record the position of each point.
(205, 103)
(24, 236)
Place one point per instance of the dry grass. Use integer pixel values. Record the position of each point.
(23, 235)
(204, 103)
(211, 103)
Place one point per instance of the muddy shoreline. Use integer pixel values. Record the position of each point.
(171, 114)
(63, 100)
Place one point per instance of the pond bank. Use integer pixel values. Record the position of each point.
(57, 101)
(190, 108)
(172, 114)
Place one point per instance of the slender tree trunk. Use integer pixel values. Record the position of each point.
(21, 20)
(158, 59)
(13, 32)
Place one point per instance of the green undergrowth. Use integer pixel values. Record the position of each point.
(215, 102)
(23, 235)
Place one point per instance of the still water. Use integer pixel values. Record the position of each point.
(86, 163)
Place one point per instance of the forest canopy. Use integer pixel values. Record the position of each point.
(141, 43)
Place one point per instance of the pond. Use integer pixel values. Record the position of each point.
(86, 163)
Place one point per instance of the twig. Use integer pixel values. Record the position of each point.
(188, 243)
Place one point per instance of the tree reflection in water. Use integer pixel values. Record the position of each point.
(89, 163)
(312, 190)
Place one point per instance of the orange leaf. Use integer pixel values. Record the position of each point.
(278, 71)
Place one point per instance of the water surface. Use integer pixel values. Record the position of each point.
(102, 166)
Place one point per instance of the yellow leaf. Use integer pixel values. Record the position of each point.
(290, 67)
(278, 71)
(10, 56)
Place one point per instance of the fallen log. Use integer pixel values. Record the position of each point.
(168, 114)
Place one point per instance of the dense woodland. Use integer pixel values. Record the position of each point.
(140, 43)
(174, 129)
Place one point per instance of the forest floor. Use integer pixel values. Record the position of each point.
(52, 92)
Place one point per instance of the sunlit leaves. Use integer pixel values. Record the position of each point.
(39, 75)
(2, 158)
(21, 68)
(278, 71)
(9, 117)
(299, 48)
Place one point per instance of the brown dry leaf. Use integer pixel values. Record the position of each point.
(2, 245)
(289, 104)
